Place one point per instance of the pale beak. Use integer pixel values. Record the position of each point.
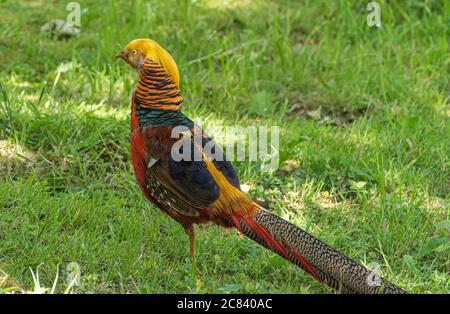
(122, 55)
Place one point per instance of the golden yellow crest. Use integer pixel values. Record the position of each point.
(153, 50)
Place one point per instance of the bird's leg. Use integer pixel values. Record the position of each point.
(189, 229)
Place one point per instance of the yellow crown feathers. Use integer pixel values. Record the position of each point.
(154, 51)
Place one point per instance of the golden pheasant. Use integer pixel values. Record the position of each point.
(201, 190)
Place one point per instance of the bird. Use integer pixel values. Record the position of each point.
(203, 189)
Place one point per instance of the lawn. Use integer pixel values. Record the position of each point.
(364, 121)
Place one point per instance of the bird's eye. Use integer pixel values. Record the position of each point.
(134, 52)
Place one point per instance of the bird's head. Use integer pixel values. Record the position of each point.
(139, 49)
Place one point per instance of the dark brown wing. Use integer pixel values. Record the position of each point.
(184, 185)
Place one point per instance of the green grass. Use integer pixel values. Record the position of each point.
(364, 116)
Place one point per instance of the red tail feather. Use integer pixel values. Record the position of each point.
(273, 244)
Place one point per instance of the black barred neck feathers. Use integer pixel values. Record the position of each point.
(156, 88)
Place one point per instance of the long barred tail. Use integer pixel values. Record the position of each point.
(321, 261)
